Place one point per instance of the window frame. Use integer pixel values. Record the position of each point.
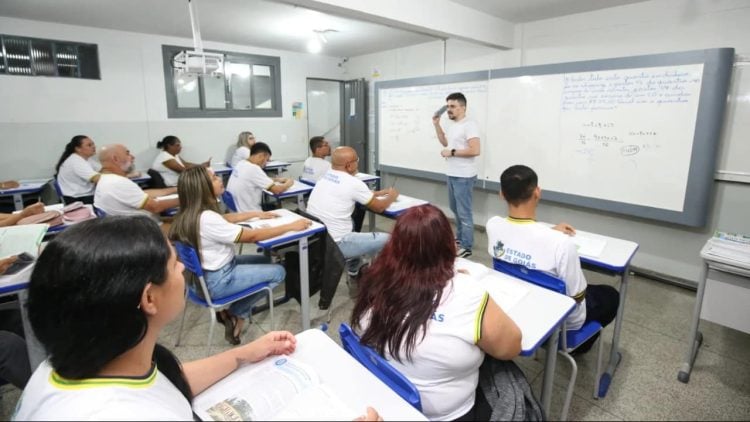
(174, 112)
(80, 48)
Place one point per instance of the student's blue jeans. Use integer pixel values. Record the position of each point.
(243, 272)
(459, 195)
(354, 245)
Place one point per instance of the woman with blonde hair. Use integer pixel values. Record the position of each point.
(213, 235)
(245, 140)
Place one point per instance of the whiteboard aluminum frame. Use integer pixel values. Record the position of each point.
(717, 69)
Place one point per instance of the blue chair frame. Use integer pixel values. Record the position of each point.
(228, 200)
(572, 338)
(189, 257)
(379, 367)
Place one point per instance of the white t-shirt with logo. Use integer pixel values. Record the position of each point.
(75, 177)
(246, 185)
(458, 135)
(118, 195)
(218, 237)
(539, 247)
(240, 154)
(170, 176)
(48, 396)
(332, 201)
(314, 168)
(445, 365)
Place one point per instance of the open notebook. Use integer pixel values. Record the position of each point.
(589, 246)
(504, 290)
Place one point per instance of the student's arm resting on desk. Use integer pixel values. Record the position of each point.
(157, 206)
(236, 217)
(565, 228)
(5, 263)
(13, 219)
(254, 235)
(281, 184)
(379, 205)
(501, 337)
(203, 373)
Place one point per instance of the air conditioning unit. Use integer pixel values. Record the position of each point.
(198, 62)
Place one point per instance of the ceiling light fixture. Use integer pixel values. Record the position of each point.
(315, 45)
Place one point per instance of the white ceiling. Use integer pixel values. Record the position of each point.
(269, 24)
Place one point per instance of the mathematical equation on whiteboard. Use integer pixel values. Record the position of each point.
(605, 134)
(601, 91)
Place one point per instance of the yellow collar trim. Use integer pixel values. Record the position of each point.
(515, 220)
(131, 382)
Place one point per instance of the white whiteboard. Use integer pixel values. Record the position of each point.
(618, 135)
(406, 135)
(632, 135)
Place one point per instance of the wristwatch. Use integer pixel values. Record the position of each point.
(453, 152)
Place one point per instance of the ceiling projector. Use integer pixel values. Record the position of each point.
(198, 62)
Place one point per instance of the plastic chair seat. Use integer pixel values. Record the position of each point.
(575, 338)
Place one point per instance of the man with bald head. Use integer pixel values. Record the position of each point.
(332, 201)
(115, 194)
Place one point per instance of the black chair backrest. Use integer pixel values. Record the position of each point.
(157, 182)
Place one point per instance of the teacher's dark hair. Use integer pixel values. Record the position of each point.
(168, 141)
(404, 285)
(458, 97)
(70, 148)
(517, 183)
(85, 293)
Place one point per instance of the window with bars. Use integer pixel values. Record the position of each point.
(248, 86)
(39, 57)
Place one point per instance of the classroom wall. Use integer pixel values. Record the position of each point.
(657, 26)
(39, 115)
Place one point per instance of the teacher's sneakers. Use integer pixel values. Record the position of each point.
(463, 253)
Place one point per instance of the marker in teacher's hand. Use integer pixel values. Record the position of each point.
(440, 111)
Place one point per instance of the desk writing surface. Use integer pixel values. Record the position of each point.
(25, 186)
(221, 168)
(272, 165)
(285, 217)
(403, 202)
(296, 189)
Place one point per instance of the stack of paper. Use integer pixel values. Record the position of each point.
(731, 247)
(589, 246)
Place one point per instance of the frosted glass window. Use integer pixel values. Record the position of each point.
(188, 93)
(215, 91)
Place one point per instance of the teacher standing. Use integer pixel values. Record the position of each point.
(461, 142)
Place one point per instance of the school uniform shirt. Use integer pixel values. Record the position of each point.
(332, 201)
(170, 176)
(49, 396)
(458, 135)
(218, 237)
(314, 168)
(539, 247)
(445, 365)
(118, 195)
(240, 154)
(246, 185)
(75, 177)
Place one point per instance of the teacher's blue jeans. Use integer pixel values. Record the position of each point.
(354, 245)
(243, 272)
(460, 191)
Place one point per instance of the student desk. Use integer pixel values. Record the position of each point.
(614, 260)
(301, 238)
(277, 166)
(727, 302)
(221, 169)
(298, 190)
(369, 179)
(29, 186)
(539, 314)
(401, 204)
(340, 373)
(18, 284)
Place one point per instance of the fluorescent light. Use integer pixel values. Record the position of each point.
(314, 46)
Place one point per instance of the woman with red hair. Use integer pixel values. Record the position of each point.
(432, 323)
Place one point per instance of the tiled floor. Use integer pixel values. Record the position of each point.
(645, 387)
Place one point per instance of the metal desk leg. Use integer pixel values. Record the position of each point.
(549, 370)
(18, 201)
(304, 283)
(301, 201)
(35, 349)
(615, 356)
(696, 338)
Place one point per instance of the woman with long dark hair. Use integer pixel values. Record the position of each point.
(75, 174)
(432, 323)
(169, 163)
(99, 296)
(213, 235)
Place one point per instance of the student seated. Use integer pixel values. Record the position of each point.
(433, 324)
(14, 359)
(200, 224)
(245, 141)
(547, 249)
(248, 180)
(74, 173)
(13, 218)
(169, 164)
(332, 201)
(115, 194)
(99, 315)
(316, 166)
